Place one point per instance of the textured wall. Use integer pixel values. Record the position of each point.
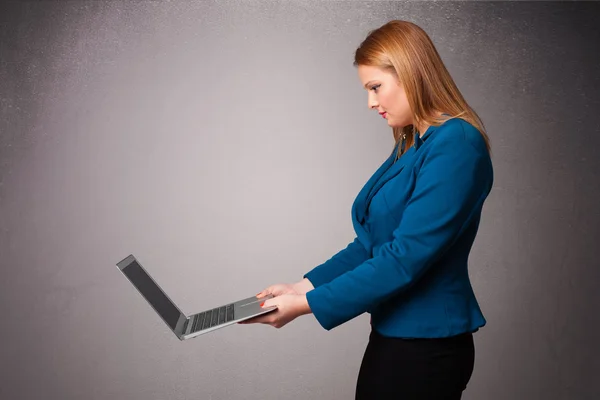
(223, 143)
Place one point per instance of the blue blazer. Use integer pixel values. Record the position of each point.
(415, 222)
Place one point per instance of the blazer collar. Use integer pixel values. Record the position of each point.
(420, 139)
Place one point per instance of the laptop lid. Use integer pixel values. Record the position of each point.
(153, 294)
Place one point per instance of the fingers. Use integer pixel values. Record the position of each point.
(256, 320)
(276, 290)
(253, 320)
(262, 319)
(266, 292)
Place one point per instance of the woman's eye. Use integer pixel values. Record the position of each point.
(374, 88)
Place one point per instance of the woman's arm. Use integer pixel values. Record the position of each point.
(455, 178)
(345, 260)
(303, 286)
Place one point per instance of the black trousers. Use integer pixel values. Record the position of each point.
(415, 369)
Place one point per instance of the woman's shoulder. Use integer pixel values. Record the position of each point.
(458, 132)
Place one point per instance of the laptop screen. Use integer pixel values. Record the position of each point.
(150, 290)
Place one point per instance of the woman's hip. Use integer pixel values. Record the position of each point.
(397, 368)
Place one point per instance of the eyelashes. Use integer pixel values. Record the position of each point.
(374, 88)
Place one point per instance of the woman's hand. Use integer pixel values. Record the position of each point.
(280, 289)
(289, 307)
(290, 299)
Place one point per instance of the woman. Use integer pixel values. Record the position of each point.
(415, 221)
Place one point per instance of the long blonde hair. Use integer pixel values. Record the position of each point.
(405, 50)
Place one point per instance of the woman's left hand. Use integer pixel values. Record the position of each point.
(289, 307)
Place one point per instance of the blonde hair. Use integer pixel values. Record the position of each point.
(405, 50)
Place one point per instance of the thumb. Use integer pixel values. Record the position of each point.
(270, 302)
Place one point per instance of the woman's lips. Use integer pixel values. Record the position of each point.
(384, 114)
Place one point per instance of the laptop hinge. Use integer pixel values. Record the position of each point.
(182, 324)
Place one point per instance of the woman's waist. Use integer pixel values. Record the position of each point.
(435, 314)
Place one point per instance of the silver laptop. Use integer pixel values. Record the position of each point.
(185, 327)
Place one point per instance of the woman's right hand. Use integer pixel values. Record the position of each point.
(280, 289)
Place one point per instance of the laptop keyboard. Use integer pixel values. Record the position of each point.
(210, 318)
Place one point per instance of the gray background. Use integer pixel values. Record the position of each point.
(224, 143)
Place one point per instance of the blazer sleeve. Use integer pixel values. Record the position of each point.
(452, 183)
(345, 260)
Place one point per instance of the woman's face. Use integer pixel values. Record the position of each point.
(386, 95)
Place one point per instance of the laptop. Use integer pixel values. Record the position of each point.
(187, 327)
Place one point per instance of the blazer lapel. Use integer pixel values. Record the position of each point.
(394, 170)
(359, 207)
(388, 170)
